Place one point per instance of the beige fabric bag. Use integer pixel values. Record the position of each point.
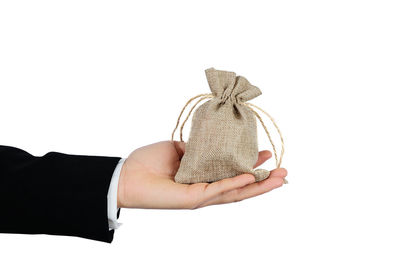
(223, 137)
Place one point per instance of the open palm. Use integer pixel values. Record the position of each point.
(147, 181)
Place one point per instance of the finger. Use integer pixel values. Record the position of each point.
(263, 156)
(274, 181)
(225, 185)
(180, 148)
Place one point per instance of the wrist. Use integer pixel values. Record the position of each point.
(121, 187)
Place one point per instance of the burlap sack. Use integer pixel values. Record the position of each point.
(223, 137)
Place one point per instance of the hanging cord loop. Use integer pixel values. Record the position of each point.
(188, 115)
(205, 96)
(278, 161)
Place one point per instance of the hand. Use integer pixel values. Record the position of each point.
(147, 181)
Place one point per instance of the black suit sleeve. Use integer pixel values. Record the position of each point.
(55, 194)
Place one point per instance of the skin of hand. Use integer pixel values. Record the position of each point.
(147, 181)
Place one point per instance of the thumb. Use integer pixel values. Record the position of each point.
(180, 148)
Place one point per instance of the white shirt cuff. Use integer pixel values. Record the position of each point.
(112, 197)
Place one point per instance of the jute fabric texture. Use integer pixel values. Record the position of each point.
(223, 136)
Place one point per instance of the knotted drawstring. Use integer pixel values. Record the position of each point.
(248, 105)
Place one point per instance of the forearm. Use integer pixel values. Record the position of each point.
(55, 194)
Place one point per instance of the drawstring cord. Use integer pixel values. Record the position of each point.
(190, 112)
(278, 162)
(183, 109)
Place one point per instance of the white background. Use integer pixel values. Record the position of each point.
(106, 77)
